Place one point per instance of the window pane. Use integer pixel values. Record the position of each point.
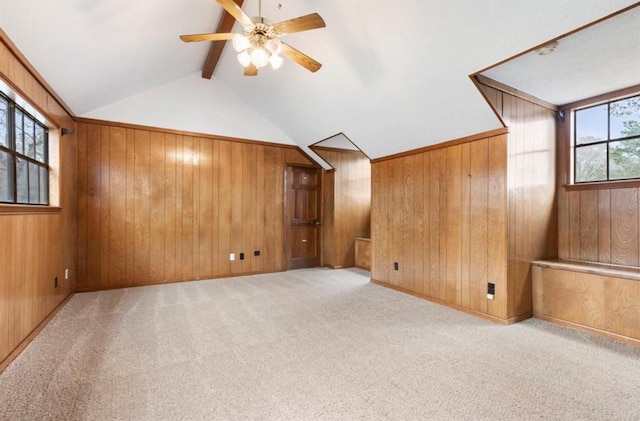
(4, 122)
(19, 135)
(29, 137)
(34, 181)
(6, 178)
(625, 118)
(40, 138)
(22, 182)
(591, 163)
(44, 186)
(591, 124)
(624, 159)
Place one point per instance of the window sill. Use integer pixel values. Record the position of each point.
(599, 185)
(7, 209)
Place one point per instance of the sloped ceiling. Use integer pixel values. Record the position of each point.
(395, 74)
(602, 58)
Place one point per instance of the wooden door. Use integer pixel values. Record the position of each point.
(303, 217)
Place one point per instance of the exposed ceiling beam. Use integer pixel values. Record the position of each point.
(215, 51)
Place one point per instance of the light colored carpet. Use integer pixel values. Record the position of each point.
(308, 344)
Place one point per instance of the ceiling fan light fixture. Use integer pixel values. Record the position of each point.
(275, 61)
(259, 57)
(244, 58)
(273, 45)
(259, 45)
(240, 42)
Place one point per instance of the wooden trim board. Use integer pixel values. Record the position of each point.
(588, 329)
(181, 132)
(4, 38)
(593, 268)
(595, 22)
(50, 120)
(454, 142)
(489, 317)
(483, 80)
(177, 281)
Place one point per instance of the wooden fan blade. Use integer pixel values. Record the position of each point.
(234, 10)
(300, 58)
(251, 70)
(206, 37)
(299, 24)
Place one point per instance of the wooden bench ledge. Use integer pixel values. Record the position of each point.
(591, 268)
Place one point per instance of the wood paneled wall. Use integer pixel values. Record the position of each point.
(37, 246)
(469, 213)
(156, 206)
(600, 225)
(531, 180)
(442, 216)
(347, 204)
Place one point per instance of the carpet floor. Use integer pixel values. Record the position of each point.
(304, 345)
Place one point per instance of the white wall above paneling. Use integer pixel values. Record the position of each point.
(197, 105)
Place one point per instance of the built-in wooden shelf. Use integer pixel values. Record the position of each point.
(363, 253)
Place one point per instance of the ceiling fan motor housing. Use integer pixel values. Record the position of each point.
(261, 32)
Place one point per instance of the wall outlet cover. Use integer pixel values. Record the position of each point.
(491, 289)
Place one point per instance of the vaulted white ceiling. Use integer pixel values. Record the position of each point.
(394, 75)
(602, 58)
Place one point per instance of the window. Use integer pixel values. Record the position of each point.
(24, 169)
(607, 141)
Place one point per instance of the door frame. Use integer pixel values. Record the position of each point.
(287, 246)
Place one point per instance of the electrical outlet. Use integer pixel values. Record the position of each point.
(232, 257)
(491, 291)
(66, 273)
(241, 256)
(256, 253)
(55, 282)
(396, 266)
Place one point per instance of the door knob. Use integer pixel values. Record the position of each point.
(317, 222)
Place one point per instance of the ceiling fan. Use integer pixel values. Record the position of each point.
(259, 43)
